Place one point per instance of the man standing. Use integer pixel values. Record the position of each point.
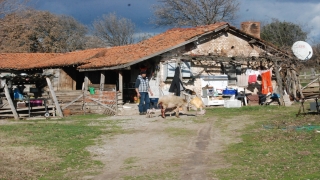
(142, 88)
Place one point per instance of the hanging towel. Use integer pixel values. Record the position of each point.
(252, 78)
(266, 84)
(242, 80)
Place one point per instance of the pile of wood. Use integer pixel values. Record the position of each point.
(312, 90)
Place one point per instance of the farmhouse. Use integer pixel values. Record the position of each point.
(216, 61)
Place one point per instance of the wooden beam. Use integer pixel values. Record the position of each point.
(310, 83)
(13, 109)
(72, 102)
(54, 97)
(97, 101)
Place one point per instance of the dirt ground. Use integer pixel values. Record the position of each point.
(173, 148)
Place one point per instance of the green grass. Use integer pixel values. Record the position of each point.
(273, 147)
(129, 163)
(65, 140)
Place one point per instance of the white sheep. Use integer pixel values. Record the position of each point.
(172, 102)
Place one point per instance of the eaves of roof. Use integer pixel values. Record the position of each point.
(19, 61)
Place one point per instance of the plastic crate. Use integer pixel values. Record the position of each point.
(232, 103)
(229, 92)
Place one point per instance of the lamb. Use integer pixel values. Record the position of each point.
(169, 102)
(197, 102)
(150, 113)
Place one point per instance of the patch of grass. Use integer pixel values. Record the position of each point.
(179, 131)
(61, 144)
(129, 162)
(272, 148)
(199, 120)
(166, 175)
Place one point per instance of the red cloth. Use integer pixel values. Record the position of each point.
(252, 78)
(266, 83)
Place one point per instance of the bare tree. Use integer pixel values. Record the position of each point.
(73, 33)
(40, 31)
(194, 12)
(114, 31)
(94, 42)
(143, 36)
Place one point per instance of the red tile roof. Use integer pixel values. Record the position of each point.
(156, 44)
(71, 58)
(23, 60)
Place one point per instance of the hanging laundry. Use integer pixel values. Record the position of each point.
(253, 75)
(252, 78)
(266, 85)
(176, 85)
(242, 80)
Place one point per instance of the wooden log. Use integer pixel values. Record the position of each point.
(279, 81)
(313, 81)
(288, 81)
(13, 109)
(294, 83)
(55, 100)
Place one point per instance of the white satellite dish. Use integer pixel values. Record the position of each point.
(302, 50)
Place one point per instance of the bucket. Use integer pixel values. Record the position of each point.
(91, 90)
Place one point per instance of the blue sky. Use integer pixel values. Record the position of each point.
(304, 12)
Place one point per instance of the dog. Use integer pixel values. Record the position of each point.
(150, 113)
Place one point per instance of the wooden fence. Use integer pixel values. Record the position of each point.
(310, 81)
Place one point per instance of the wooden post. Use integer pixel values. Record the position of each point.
(179, 63)
(102, 79)
(13, 109)
(289, 81)
(86, 81)
(300, 88)
(121, 84)
(294, 82)
(54, 97)
(279, 81)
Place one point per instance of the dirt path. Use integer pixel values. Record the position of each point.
(185, 148)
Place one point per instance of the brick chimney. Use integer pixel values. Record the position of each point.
(252, 28)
